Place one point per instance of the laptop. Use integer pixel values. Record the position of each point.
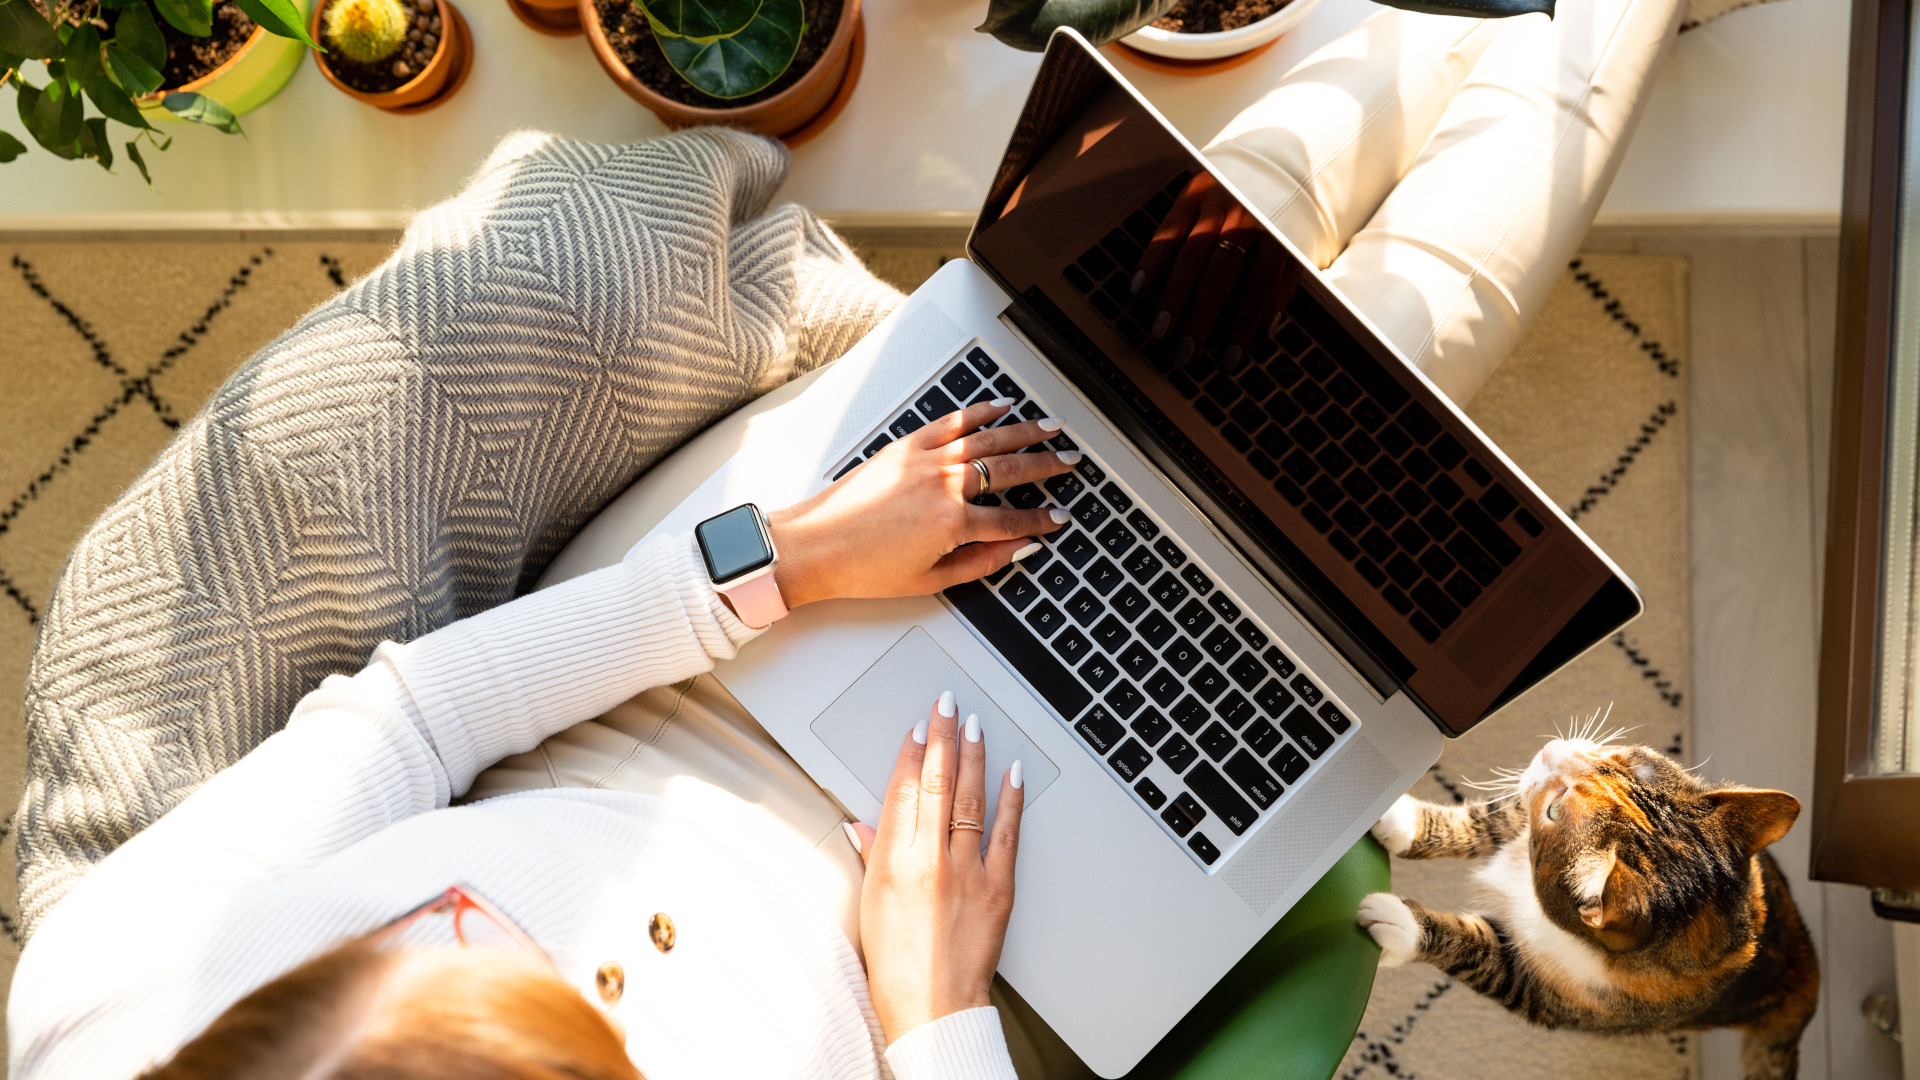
(1290, 574)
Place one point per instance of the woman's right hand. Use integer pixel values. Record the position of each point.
(934, 909)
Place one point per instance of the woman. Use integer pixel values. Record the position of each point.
(288, 869)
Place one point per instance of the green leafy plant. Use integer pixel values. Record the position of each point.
(110, 53)
(727, 48)
(1026, 24)
(366, 30)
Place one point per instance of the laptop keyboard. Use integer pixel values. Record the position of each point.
(1189, 702)
(1371, 470)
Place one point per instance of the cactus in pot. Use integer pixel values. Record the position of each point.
(366, 30)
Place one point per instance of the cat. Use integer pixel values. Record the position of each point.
(1624, 894)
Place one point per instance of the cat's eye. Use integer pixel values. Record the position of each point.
(1553, 810)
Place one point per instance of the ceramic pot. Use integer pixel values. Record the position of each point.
(443, 75)
(1172, 46)
(782, 114)
(560, 18)
(248, 79)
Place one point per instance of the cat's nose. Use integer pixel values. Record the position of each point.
(1556, 753)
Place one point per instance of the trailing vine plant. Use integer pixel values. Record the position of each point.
(109, 53)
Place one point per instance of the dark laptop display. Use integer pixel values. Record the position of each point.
(1359, 491)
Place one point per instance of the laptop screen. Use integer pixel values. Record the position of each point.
(1388, 521)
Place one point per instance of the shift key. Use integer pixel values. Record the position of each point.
(1220, 797)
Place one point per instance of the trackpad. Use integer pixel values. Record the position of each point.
(864, 725)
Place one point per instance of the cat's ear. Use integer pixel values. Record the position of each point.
(1754, 817)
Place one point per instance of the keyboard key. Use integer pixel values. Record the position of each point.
(1085, 607)
(1190, 714)
(1194, 618)
(1274, 698)
(1278, 661)
(1419, 423)
(906, 424)
(1170, 551)
(1143, 524)
(960, 381)
(1009, 388)
(983, 362)
(877, 445)
(1045, 619)
(1076, 548)
(1235, 709)
(1117, 539)
(1437, 563)
(1141, 565)
(1131, 603)
(1488, 532)
(1309, 693)
(1245, 770)
(1419, 466)
(1335, 719)
(934, 403)
(1168, 592)
(1104, 576)
(1247, 672)
(1111, 635)
(1221, 798)
(1447, 451)
(1402, 570)
(1184, 813)
(1307, 731)
(1150, 793)
(1474, 558)
(1377, 543)
(1090, 511)
(1037, 561)
(1207, 682)
(1072, 645)
(1020, 648)
(1156, 629)
(1438, 605)
(1138, 661)
(1317, 518)
(1251, 634)
(1221, 645)
(1462, 589)
(1223, 607)
(1203, 847)
(1217, 741)
(1098, 671)
(1445, 491)
(1115, 497)
(1130, 759)
(1057, 580)
(1401, 602)
(1197, 579)
(1527, 521)
(1100, 729)
(1261, 737)
(1370, 570)
(1163, 686)
(847, 468)
(1181, 656)
(1424, 626)
(1151, 726)
(1026, 496)
(1178, 753)
(1360, 484)
(1093, 474)
(1064, 488)
(1290, 763)
(1019, 592)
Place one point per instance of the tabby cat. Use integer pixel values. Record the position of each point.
(1624, 894)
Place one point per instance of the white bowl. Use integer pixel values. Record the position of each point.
(1225, 43)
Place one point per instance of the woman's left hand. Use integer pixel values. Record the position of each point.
(904, 523)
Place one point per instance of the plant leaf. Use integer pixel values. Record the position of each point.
(10, 61)
(81, 56)
(133, 152)
(94, 144)
(136, 31)
(113, 102)
(701, 21)
(201, 109)
(187, 16)
(10, 147)
(280, 17)
(134, 74)
(742, 63)
(1026, 24)
(25, 31)
(52, 114)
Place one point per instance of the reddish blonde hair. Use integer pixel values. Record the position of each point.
(360, 1012)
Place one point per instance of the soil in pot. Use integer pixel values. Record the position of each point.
(423, 38)
(190, 58)
(1213, 16)
(631, 37)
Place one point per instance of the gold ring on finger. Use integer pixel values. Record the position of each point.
(986, 478)
(958, 824)
(1230, 246)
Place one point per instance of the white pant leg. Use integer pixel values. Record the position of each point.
(1321, 150)
(1465, 249)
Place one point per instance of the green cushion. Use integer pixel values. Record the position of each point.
(1290, 1007)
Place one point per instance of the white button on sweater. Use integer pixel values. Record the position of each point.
(341, 821)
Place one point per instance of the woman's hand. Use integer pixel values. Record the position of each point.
(904, 523)
(933, 912)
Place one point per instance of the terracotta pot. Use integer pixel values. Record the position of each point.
(560, 18)
(444, 74)
(245, 81)
(785, 112)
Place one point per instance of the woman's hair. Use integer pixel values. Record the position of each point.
(361, 1012)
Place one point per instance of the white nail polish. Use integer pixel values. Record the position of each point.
(973, 727)
(853, 835)
(1070, 457)
(1049, 423)
(1015, 776)
(1139, 282)
(946, 706)
(1025, 552)
(920, 733)
(1059, 516)
(1002, 402)
(1161, 324)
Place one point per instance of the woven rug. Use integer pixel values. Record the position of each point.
(109, 345)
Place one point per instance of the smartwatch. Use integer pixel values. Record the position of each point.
(738, 549)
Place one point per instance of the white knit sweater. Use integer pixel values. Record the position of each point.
(341, 821)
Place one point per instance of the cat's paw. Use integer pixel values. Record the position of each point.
(1391, 923)
(1398, 827)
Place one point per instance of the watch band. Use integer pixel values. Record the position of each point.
(756, 600)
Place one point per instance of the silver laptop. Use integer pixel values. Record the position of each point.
(1292, 569)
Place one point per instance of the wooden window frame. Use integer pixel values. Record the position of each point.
(1866, 828)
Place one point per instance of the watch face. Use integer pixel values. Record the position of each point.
(733, 543)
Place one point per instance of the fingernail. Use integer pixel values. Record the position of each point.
(1183, 352)
(1273, 325)
(1070, 457)
(1025, 551)
(1059, 516)
(973, 727)
(853, 835)
(1002, 402)
(1049, 423)
(945, 706)
(1161, 323)
(1015, 775)
(1232, 356)
(1139, 282)
(920, 733)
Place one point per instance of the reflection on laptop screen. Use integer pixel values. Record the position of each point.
(1410, 543)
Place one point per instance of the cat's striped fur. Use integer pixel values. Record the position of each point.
(1623, 894)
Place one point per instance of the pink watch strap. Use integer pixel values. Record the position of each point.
(757, 601)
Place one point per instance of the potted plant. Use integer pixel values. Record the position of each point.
(771, 66)
(404, 56)
(1194, 29)
(200, 61)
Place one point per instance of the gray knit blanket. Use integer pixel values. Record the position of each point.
(412, 452)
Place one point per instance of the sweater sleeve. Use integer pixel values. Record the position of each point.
(967, 1045)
